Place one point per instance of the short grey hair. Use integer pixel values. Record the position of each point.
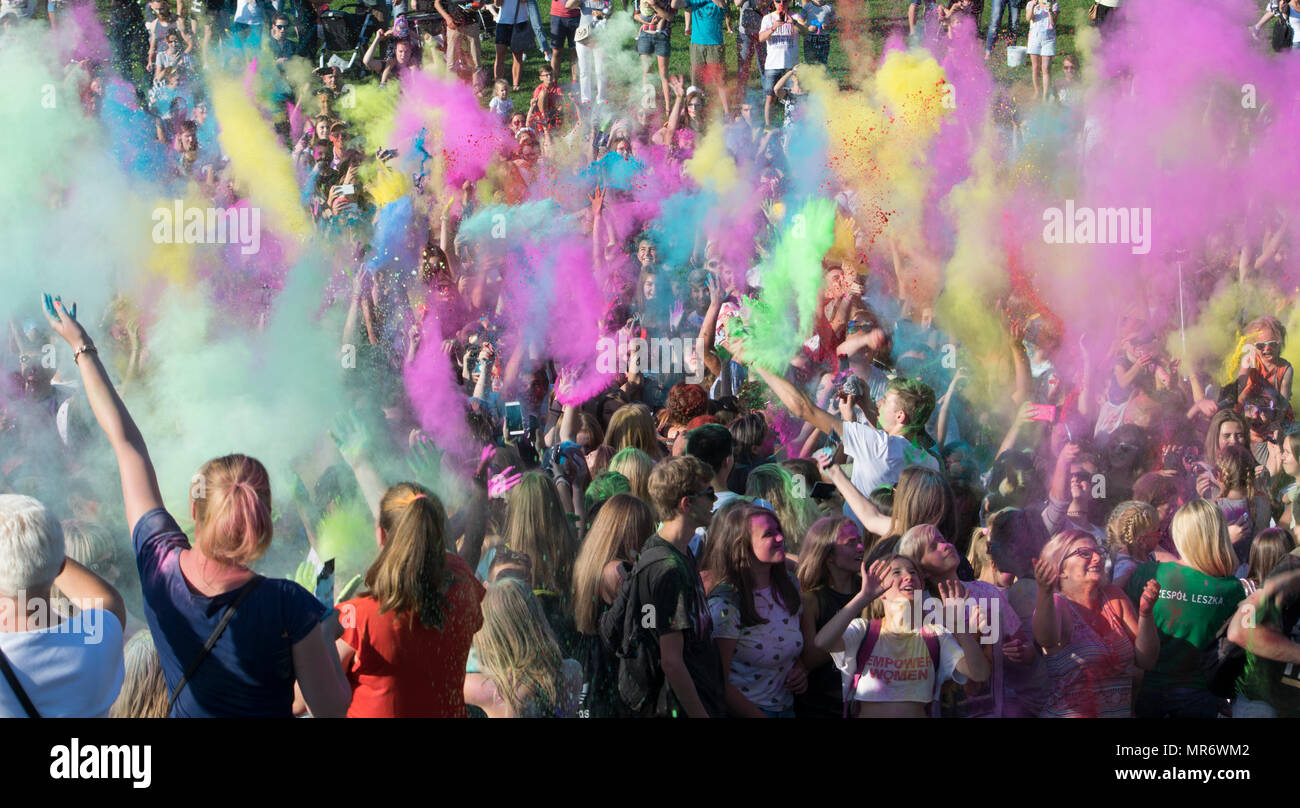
(31, 545)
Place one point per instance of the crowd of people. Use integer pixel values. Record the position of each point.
(721, 528)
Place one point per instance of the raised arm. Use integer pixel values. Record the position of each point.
(87, 590)
(140, 492)
(831, 638)
(798, 402)
(369, 60)
(873, 521)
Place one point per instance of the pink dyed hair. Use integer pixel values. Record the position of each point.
(232, 506)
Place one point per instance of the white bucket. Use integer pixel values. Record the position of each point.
(1016, 55)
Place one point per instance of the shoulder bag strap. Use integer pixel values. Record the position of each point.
(226, 617)
(12, 678)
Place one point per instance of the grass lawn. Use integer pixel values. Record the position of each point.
(882, 18)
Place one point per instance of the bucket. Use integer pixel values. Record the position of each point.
(1016, 55)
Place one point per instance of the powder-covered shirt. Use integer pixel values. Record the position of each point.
(249, 672)
(900, 667)
(765, 652)
(1191, 609)
(878, 457)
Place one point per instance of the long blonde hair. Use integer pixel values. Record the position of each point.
(516, 648)
(633, 425)
(621, 528)
(411, 571)
(1201, 537)
(922, 497)
(144, 689)
(636, 466)
(776, 485)
(537, 524)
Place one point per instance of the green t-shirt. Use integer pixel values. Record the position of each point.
(1192, 608)
(1277, 683)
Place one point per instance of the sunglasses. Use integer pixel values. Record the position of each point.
(707, 492)
(1082, 552)
(1261, 346)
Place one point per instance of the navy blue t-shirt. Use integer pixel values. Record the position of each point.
(249, 672)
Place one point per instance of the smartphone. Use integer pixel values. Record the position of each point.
(514, 419)
(1042, 412)
(345, 190)
(822, 491)
(325, 583)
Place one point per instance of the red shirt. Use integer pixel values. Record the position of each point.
(558, 10)
(402, 670)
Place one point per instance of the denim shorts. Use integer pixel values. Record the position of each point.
(771, 77)
(563, 29)
(653, 44)
(775, 714)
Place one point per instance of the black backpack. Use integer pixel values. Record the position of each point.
(640, 677)
(1280, 34)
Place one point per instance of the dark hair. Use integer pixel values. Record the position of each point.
(748, 431)
(711, 443)
(730, 560)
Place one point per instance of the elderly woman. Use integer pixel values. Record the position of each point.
(53, 670)
(1089, 631)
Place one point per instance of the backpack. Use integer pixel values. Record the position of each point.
(864, 654)
(1280, 34)
(636, 647)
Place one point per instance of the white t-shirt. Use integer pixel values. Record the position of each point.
(900, 667)
(765, 653)
(71, 670)
(782, 46)
(878, 457)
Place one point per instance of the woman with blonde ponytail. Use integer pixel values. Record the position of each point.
(265, 633)
(522, 672)
(407, 636)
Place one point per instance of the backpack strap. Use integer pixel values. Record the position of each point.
(244, 592)
(864, 654)
(12, 678)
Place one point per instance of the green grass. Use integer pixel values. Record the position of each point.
(882, 16)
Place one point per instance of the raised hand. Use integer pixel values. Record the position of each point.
(825, 458)
(1044, 573)
(874, 579)
(425, 460)
(1149, 597)
(64, 321)
(499, 485)
(952, 592)
(597, 198)
(349, 435)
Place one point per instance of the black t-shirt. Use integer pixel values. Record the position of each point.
(674, 589)
(824, 697)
